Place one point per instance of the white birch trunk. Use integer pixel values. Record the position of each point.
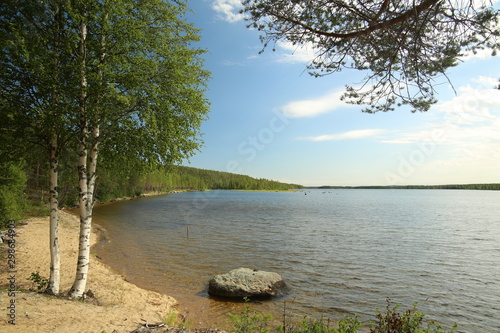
(87, 188)
(80, 282)
(85, 200)
(87, 167)
(82, 268)
(55, 260)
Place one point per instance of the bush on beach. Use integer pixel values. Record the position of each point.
(12, 197)
(392, 321)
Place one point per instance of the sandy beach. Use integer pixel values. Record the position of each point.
(118, 306)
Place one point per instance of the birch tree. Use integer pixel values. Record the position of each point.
(118, 79)
(141, 95)
(403, 46)
(35, 58)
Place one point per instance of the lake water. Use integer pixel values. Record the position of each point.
(341, 251)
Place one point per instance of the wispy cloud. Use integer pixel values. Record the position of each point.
(356, 134)
(474, 105)
(429, 134)
(290, 53)
(461, 143)
(479, 55)
(467, 131)
(230, 63)
(470, 117)
(314, 107)
(228, 10)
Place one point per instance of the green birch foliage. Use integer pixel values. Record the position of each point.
(146, 82)
(403, 46)
(38, 73)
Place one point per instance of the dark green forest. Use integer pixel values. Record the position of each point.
(23, 186)
(181, 178)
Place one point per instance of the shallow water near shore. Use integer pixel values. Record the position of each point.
(342, 251)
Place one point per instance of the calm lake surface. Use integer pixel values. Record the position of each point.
(341, 251)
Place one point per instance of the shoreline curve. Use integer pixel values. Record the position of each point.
(118, 306)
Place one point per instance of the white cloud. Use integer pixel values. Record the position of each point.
(485, 81)
(289, 53)
(472, 105)
(480, 55)
(461, 144)
(470, 117)
(356, 134)
(467, 131)
(314, 107)
(229, 10)
(431, 134)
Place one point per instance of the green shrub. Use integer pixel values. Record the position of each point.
(12, 198)
(392, 321)
(349, 325)
(41, 283)
(250, 321)
(322, 325)
(410, 321)
(37, 208)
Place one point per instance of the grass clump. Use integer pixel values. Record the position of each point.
(175, 319)
(392, 321)
(410, 321)
(250, 321)
(38, 282)
(322, 325)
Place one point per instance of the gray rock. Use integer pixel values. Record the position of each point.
(246, 282)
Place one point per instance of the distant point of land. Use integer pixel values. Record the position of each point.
(491, 187)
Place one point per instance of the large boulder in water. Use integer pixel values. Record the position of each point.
(246, 282)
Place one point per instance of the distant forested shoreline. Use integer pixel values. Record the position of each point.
(491, 187)
(23, 186)
(188, 178)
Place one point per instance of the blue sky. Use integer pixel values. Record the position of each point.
(270, 119)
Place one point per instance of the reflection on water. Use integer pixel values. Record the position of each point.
(341, 251)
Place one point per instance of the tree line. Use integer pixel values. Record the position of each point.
(182, 177)
(176, 177)
(492, 186)
(23, 187)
